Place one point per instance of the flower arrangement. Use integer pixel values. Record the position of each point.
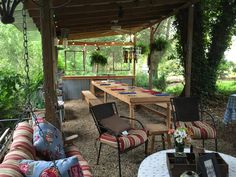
(181, 135)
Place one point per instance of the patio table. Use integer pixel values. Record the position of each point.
(132, 96)
(155, 165)
(230, 113)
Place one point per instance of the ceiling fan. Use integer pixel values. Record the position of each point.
(115, 27)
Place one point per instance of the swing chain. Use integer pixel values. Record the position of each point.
(28, 105)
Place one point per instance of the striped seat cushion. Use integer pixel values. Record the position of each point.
(17, 154)
(200, 130)
(133, 139)
(23, 129)
(23, 143)
(73, 151)
(10, 170)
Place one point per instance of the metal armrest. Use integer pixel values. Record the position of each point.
(129, 118)
(211, 116)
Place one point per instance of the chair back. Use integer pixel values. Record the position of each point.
(102, 111)
(185, 109)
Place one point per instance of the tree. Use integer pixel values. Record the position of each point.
(214, 23)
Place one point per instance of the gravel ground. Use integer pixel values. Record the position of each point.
(78, 120)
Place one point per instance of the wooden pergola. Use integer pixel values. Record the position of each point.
(93, 18)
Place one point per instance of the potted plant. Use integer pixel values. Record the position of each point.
(158, 48)
(160, 44)
(98, 59)
(181, 135)
(144, 48)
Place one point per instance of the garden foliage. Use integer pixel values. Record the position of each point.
(214, 25)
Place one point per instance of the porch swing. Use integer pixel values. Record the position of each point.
(20, 143)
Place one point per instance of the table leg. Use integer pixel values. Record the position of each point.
(168, 123)
(168, 116)
(168, 141)
(152, 143)
(92, 89)
(131, 115)
(105, 97)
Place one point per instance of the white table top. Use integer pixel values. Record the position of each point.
(155, 164)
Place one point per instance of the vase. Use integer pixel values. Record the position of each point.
(189, 174)
(179, 147)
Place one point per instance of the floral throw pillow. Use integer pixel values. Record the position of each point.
(48, 141)
(68, 167)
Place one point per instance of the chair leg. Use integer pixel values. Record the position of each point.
(163, 141)
(99, 151)
(216, 144)
(119, 162)
(203, 143)
(146, 148)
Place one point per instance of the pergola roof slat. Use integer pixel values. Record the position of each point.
(86, 18)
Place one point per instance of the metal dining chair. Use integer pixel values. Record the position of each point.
(111, 128)
(188, 112)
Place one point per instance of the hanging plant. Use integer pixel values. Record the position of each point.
(98, 58)
(160, 44)
(144, 48)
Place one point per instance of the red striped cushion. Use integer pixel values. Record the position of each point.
(201, 130)
(24, 144)
(23, 131)
(73, 150)
(10, 170)
(133, 139)
(17, 154)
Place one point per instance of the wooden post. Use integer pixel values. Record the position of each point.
(134, 63)
(189, 52)
(152, 32)
(48, 49)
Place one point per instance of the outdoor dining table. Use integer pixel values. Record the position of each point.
(133, 96)
(155, 165)
(230, 113)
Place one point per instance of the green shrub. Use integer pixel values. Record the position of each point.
(226, 87)
(160, 83)
(141, 80)
(175, 89)
(11, 94)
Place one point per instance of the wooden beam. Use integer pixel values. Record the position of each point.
(174, 12)
(108, 18)
(106, 4)
(189, 51)
(47, 32)
(97, 21)
(76, 43)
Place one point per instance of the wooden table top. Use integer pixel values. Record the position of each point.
(140, 96)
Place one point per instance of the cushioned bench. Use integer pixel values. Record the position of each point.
(22, 148)
(90, 98)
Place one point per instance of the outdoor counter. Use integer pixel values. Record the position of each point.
(73, 85)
